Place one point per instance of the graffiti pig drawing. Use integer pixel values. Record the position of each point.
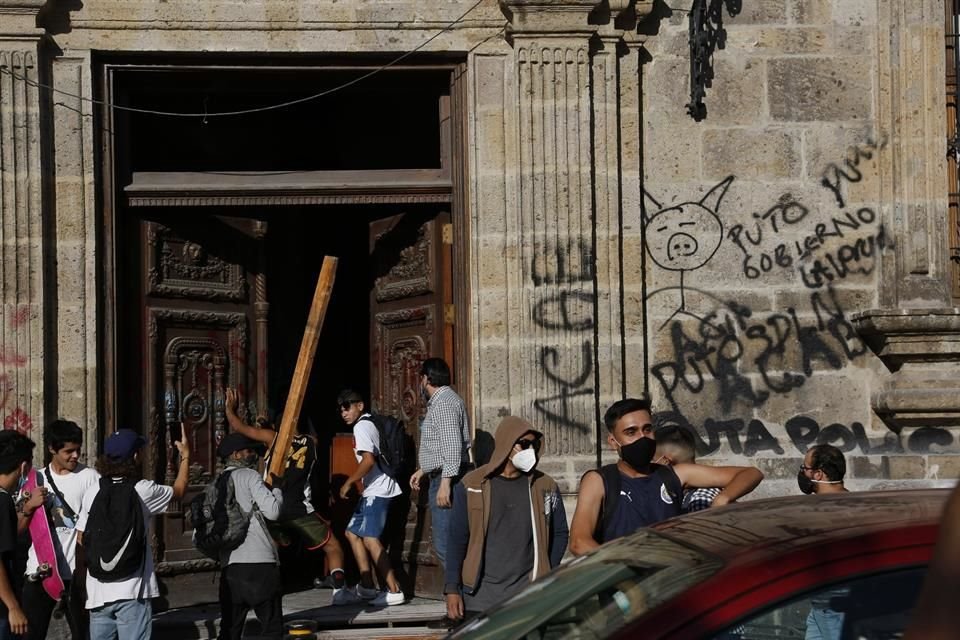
(684, 237)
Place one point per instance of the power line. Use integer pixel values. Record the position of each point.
(241, 112)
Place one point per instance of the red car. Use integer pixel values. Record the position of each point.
(831, 567)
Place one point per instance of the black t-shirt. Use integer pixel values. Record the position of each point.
(8, 543)
(301, 456)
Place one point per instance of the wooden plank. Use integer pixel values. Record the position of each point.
(301, 374)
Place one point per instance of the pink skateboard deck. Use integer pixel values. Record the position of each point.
(42, 538)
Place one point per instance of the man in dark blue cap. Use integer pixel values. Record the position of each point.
(121, 581)
(251, 572)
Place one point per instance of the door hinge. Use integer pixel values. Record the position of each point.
(449, 313)
(447, 233)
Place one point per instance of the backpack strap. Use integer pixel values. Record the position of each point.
(53, 485)
(671, 481)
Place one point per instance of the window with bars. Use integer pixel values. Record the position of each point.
(952, 10)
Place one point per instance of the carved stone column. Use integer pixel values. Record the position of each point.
(566, 55)
(916, 331)
(21, 220)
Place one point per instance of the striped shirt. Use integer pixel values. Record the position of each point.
(444, 434)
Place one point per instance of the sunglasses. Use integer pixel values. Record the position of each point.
(526, 444)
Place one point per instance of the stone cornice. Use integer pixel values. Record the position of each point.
(18, 18)
(539, 18)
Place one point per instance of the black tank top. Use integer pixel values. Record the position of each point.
(301, 456)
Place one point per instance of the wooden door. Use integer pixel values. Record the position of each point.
(411, 320)
(203, 314)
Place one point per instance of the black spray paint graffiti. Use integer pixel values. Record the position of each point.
(684, 237)
(751, 437)
(835, 176)
(567, 309)
(785, 349)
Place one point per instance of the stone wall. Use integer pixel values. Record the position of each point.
(816, 186)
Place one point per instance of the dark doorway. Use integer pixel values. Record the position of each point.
(217, 228)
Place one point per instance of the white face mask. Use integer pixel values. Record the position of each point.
(525, 460)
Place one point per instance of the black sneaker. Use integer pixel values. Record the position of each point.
(323, 583)
(446, 622)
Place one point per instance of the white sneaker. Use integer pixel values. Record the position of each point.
(344, 596)
(388, 599)
(365, 593)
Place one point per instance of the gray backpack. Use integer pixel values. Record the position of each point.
(219, 524)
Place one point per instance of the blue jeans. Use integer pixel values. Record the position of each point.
(824, 624)
(370, 517)
(121, 620)
(5, 633)
(440, 521)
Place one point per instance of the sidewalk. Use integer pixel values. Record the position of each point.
(352, 621)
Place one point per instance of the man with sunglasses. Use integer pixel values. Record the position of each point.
(508, 525)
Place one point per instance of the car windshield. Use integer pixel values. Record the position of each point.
(595, 595)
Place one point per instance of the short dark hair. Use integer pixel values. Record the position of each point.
(15, 449)
(348, 396)
(679, 437)
(59, 432)
(830, 460)
(437, 371)
(621, 408)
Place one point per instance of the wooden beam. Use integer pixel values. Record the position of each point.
(301, 375)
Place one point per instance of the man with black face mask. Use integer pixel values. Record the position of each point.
(822, 470)
(635, 492)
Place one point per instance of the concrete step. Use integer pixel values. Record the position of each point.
(202, 622)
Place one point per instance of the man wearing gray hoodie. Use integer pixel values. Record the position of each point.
(508, 525)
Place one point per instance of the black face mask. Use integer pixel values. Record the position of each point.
(247, 462)
(639, 453)
(806, 484)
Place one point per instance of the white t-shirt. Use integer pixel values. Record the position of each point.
(366, 438)
(155, 499)
(73, 486)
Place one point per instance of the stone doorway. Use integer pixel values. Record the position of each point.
(217, 235)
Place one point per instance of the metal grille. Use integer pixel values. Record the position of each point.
(952, 10)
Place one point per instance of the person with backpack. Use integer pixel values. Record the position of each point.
(298, 518)
(508, 527)
(620, 498)
(250, 577)
(113, 529)
(370, 517)
(66, 481)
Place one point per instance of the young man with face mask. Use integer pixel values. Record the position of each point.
(251, 573)
(822, 470)
(16, 452)
(508, 525)
(643, 497)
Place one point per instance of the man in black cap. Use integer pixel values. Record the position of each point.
(251, 572)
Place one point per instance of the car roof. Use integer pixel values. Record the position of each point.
(774, 526)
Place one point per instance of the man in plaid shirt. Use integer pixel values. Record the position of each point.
(444, 452)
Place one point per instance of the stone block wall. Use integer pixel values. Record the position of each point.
(749, 309)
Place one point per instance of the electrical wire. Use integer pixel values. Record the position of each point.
(241, 112)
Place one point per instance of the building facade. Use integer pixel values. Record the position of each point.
(517, 186)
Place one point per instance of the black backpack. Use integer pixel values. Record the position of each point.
(115, 540)
(219, 524)
(611, 493)
(393, 445)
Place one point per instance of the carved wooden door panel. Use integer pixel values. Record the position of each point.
(411, 263)
(411, 320)
(203, 292)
